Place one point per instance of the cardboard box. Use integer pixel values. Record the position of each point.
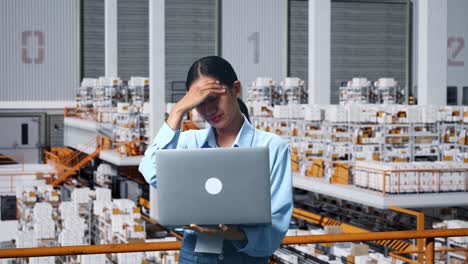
(330, 230)
(359, 249)
(316, 168)
(295, 163)
(457, 261)
(341, 173)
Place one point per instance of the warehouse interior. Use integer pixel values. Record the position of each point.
(370, 95)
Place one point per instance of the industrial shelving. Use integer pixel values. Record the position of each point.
(461, 256)
(396, 143)
(357, 94)
(366, 140)
(378, 199)
(425, 142)
(362, 91)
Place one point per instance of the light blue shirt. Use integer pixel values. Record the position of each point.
(261, 240)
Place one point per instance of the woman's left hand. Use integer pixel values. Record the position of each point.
(229, 232)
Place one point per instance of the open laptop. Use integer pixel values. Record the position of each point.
(213, 186)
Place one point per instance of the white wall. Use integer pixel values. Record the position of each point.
(254, 39)
(457, 43)
(457, 54)
(39, 50)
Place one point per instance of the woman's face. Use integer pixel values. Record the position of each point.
(220, 110)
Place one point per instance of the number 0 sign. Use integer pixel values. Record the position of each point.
(26, 37)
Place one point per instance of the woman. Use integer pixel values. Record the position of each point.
(212, 89)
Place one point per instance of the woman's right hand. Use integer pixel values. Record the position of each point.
(198, 92)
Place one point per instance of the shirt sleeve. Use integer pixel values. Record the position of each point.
(265, 240)
(165, 139)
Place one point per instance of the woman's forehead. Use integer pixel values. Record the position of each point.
(204, 79)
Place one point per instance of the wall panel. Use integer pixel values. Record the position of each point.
(190, 35)
(254, 38)
(39, 50)
(133, 38)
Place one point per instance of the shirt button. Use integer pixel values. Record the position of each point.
(221, 257)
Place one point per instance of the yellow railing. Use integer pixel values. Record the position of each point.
(419, 226)
(399, 246)
(428, 235)
(72, 171)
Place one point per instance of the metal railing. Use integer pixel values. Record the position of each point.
(428, 235)
(400, 248)
(419, 226)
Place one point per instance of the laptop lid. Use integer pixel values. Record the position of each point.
(213, 186)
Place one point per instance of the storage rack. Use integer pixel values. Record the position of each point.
(396, 143)
(425, 142)
(366, 140)
(357, 95)
(390, 95)
(127, 131)
(338, 152)
(394, 139)
(85, 211)
(313, 149)
(450, 149)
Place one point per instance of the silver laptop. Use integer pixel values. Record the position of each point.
(213, 186)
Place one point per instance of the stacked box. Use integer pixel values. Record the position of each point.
(71, 238)
(313, 113)
(465, 114)
(405, 177)
(316, 168)
(103, 195)
(119, 220)
(42, 210)
(68, 210)
(463, 241)
(336, 114)
(282, 128)
(281, 111)
(341, 173)
(81, 195)
(26, 239)
(294, 159)
(124, 205)
(102, 209)
(26, 194)
(93, 259)
(366, 153)
(313, 130)
(133, 257)
(48, 193)
(42, 260)
(104, 173)
(449, 114)
(390, 133)
(44, 228)
(363, 114)
(135, 231)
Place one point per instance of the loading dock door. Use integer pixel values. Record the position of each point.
(20, 136)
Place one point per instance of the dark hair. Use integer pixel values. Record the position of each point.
(213, 66)
(218, 68)
(243, 109)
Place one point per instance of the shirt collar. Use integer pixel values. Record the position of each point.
(244, 137)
